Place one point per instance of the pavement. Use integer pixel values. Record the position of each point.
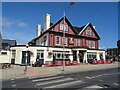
(17, 71)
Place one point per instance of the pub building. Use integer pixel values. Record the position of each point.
(61, 41)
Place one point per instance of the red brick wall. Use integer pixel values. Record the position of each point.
(56, 28)
(88, 28)
(83, 41)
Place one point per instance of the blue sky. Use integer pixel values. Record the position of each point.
(19, 19)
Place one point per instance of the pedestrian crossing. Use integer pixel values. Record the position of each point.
(55, 81)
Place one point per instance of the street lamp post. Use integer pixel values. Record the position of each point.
(64, 14)
(26, 59)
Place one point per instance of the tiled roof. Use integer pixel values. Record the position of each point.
(78, 29)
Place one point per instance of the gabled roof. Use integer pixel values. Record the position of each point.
(78, 29)
(74, 30)
(83, 28)
(89, 24)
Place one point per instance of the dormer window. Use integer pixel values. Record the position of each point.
(66, 27)
(63, 27)
(88, 32)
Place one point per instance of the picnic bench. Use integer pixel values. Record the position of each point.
(5, 65)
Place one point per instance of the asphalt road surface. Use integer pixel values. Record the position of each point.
(95, 80)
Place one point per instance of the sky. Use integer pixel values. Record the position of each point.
(19, 19)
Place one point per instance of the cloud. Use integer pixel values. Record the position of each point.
(102, 47)
(9, 22)
(22, 24)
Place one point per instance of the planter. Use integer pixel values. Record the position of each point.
(50, 53)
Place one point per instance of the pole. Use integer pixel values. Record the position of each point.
(26, 59)
(64, 41)
(64, 14)
(26, 63)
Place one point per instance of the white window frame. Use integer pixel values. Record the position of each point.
(64, 40)
(56, 40)
(89, 43)
(63, 27)
(66, 27)
(93, 44)
(88, 32)
(61, 53)
(39, 52)
(4, 53)
(91, 55)
(77, 42)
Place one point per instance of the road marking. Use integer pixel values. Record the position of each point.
(12, 79)
(116, 84)
(14, 85)
(97, 76)
(13, 82)
(53, 81)
(89, 77)
(65, 84)
(94, 86)
(101, 80)
(47, 78)
(103, 75)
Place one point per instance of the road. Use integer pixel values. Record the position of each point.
(99, 79)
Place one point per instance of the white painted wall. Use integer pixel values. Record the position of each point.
(47, 57)
(98, 53)
(71, 56)
(40, 41)
(85, 57)
(5, 58)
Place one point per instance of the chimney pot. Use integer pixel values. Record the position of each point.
(38, 30)
(46, 22)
